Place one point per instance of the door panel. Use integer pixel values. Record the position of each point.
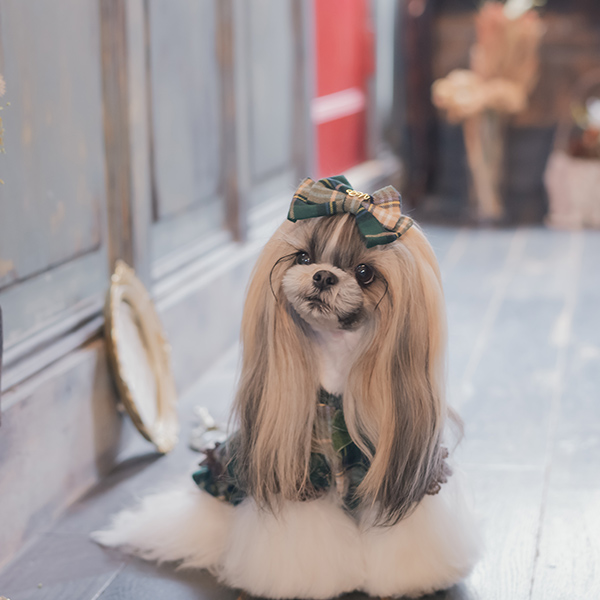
(52, 200)
(53, 167)
(185, 103)
(186, 122)
(271, 69)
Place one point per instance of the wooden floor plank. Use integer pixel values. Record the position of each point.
(507, 399)
(144, 580)
(507, 410)
(473, 277)
(60, 567)
(568, 564)
(507, 502)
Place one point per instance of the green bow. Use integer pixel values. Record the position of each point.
(378, 217)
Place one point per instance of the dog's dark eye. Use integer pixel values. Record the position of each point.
(364, 274)
(302, 258)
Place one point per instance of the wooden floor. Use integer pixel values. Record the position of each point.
(524, 372)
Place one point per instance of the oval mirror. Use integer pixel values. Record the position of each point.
(140, 359)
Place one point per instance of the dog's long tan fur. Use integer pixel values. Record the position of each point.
(394, 401)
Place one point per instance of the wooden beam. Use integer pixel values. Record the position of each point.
(126, 130)
(304, 139)
(235, 184)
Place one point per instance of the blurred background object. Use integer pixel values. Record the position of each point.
(446, 30)
(503, 71)
(572, 176)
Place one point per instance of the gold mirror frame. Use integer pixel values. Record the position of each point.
(136, 347)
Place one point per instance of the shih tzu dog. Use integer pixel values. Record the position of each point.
(337, 478)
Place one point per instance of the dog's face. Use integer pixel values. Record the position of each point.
(333, 281)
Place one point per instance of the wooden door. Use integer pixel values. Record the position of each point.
(186, 125)
(222, 103)
(267, 61)
(344, 61)
(53, 250)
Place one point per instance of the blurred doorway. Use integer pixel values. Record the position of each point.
(344, 64)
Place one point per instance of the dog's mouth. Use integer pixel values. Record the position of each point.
(318, 304)
(346, 321)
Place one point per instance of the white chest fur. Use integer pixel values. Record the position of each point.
(336, 351)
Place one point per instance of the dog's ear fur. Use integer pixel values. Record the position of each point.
(394, 403)
(276, 399)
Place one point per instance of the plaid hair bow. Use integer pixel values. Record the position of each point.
(378, 217)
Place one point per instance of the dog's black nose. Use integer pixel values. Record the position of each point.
(324, 280)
